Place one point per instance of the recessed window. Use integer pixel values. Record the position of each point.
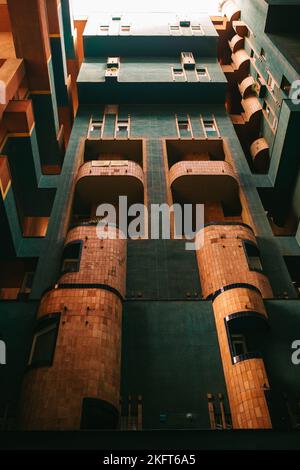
(104, 28)
(239, 346)
(122, 128)
(201, 72)
(174, 29)
(263, 53)
(185, 23)
(252, 53)
(188, 60)
(178, 74)
(26, 287)
(125, 28)
(210, 128)
(285, 86)
(271, 82)
(95, 129)
(196, 29)
(253, 256)
(184, 125)
(71, 257)
(44, 342)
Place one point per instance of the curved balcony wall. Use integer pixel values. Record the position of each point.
(245, 376)
(229, 271)
(236, 43)
(246, 87)
(241, 64)
(259, 151)
(240, 28)
(252, 108)
(200, 181)
(105, 180)
(12, 73)
(223, 261)
(79, 387)
(230, 10)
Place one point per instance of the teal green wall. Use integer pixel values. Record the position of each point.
(170, 356)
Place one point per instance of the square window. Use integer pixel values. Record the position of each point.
(122, 128)
(253, 256)
(95, 129)
(184, 125)
(196, 29)
(285, 86)
(71, 257)
(44, 342)
(201, 72)
(239, 346)
(210, 128)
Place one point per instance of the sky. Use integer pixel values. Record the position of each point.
(86, 7)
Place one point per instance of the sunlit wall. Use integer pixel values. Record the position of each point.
(86, 7)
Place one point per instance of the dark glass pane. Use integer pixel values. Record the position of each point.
(44, 346)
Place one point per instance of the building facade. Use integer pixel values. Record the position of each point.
(140, 334)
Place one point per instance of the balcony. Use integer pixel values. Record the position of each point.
(259, 151)
(205, 181)
(103, 181)
(12, 73)
(246, 87)
(236, 43)
(195, 150)
(240, 28)
(241, 64)
(231, 11)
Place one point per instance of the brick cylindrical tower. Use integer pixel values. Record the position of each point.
(73, 380)
(232, 277)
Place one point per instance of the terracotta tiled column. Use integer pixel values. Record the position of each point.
(237, 294)
(86, 362)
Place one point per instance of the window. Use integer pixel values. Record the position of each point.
(262, 54)
(44, 341)
(122, 128)
(270, 115)
(116, 18)
(174, 29)
(201, 72)
(252, 53)
(185, 23)
(285, 86)
(187, 60)
(196, 29)
(178, 74)
(271, 82)
(239, 346)
(210, 128)
(26, 285)
(125, 28)
(71, 257)
(184, 125)
(267, 108)
(95, 129)
(253, 256)
(104, 28)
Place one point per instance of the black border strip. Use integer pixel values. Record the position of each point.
(91, 286)
(238, 285)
